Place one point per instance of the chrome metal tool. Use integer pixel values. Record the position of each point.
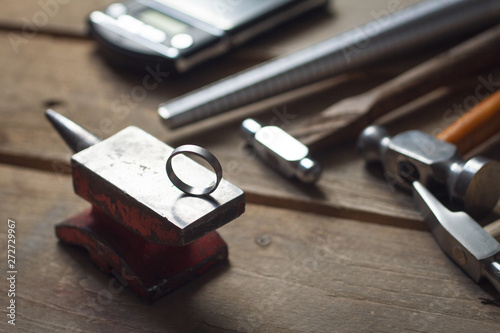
(471, 184)
(281, 151)
(472, 248)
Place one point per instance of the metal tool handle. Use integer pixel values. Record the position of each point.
(477, 125)
(492, 273)
(420, 25)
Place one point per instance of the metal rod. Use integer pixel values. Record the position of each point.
(420, 25)
(75, 136)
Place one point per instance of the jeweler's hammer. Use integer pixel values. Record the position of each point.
(343, 121)
(473, 185)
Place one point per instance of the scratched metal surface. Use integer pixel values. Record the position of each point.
(125, 176)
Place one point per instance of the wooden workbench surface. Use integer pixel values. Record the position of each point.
(347, 255)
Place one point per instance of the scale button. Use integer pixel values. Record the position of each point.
(153, 34)
(116, 9)
(181, 41)
(130, 24)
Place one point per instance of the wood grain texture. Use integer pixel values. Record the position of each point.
(30, 17)
(69, 17)
(288, 272)
(74, 80)
(69, 75)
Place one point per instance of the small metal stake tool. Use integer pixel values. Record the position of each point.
(141, 226)
(281, 151)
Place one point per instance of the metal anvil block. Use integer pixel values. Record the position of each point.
(141, 227)
(124, 176)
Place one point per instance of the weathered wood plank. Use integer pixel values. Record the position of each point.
(72, 78)
(69, 18)
(69, 75)
(31, 17)
(288, 272)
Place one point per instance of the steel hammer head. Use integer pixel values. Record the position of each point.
(473, 185)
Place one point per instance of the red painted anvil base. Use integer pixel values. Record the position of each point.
(152, 270)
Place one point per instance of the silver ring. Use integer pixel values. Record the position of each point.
(207, 156)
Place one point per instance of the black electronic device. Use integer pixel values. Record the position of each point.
(185, 33)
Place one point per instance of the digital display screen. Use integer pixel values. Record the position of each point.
(224, 15)
(162, 21)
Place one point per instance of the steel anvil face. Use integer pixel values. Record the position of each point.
(414, 154)
(141, 226)
(124, 176)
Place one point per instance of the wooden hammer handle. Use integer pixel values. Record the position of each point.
(347, 118)
(474, 127)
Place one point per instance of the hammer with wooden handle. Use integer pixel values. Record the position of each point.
(473, 185)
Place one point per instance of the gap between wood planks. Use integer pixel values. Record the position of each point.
(312, 206)
(44, 31)
(316, 207)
